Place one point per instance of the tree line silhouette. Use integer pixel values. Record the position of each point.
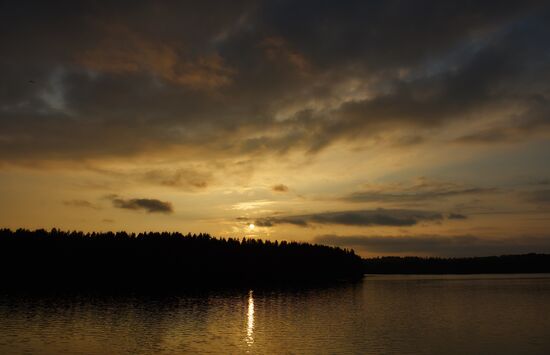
(57, 260)
(526, 263)
(60, 260)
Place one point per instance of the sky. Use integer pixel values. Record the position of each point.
(389, 127)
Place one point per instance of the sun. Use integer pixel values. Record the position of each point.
(251, 226)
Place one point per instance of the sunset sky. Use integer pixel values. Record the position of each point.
(389, 127)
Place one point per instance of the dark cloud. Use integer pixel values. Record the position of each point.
(495, 135)
(534, 120)
(409, 141)
(456, 216)
(183, 179)
(80, 203)
(250, 78)
(413, 196)
(398, 32)
(280, 188)
(440, 245)
(145, 204)
(379, 217)
(267, 222)
(539, 197)
(422, 190)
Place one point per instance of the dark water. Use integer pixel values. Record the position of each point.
(483, 314)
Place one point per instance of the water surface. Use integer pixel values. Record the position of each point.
(505, 314)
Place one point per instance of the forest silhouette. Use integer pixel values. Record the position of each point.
(526, 263)
(58, 260)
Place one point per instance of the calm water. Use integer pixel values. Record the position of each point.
(383, 314)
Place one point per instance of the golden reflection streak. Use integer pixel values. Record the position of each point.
(250, 323)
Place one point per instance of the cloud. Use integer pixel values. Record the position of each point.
(379, 217)
(456, 216)
(375, 196)
(277, 50)
(493, 135)
(243, 78)
(280, 188)
(534, 120)
(421, 190)
(183, 179)
(538, 197)
(122, 51)
(80, 203)
(145, 204)
(439, 245)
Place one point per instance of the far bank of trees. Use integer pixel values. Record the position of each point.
(527, 263)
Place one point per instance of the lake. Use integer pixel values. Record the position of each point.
(466, 314)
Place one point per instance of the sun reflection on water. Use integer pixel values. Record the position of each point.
(250, 323)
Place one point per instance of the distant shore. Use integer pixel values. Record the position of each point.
(505, 264)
